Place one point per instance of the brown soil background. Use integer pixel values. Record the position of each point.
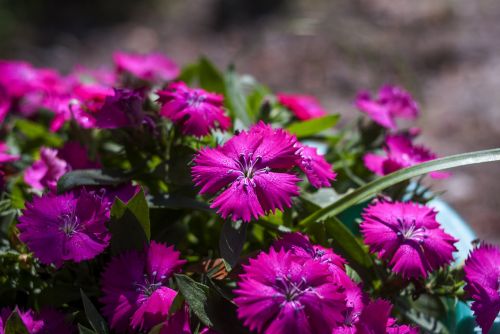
(446, 52)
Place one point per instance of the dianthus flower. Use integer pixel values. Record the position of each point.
(408, 236)
(482, 274)
(375, 319)
(304, 107)
(278, 294)
(153, 67)
(45, 172)
(194, 110)
(48, 321)
(123, 109)
(66, 227)
(254, 166)
(300, 246)
(5, 156)
(76, 156)
(400, 153)
(392, 102)
(317, 170)
(135, 289)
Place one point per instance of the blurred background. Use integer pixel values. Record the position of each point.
(446, 52)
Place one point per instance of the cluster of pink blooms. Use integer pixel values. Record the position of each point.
(297, 287)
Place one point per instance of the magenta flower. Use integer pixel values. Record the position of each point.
(5, 104)
(46, 322)
(136, 295)
(400, 153)
(408, 236)
(278, 295)
(6, 157)
(66, 227)
(375, 319)
(45, 172)
(123, 109)
(482, 274)
(195, 111)
(253, 166)
(153, 67)
(304, 107)
(300, 246)
(391, 103)
(317, 170)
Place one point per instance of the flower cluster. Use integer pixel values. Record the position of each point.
(126, 195)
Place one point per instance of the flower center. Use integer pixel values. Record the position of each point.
(195, 99)
(409, 230)
(149, 284)
(69, 223)
(291, 290)
(249, 167)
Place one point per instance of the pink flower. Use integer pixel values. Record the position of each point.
(45, 322)
(278, 295)
(135, 289)
(195, 111)
(6, 157)
(318, 171)
(391, 103)
(253, 166)
(45, 172)
(148, 67)
(400, 153)
(375, 319)
(5, 104)
(304, 107)
(482, 274)
(123, 109)
(408, 236)
(65, 227)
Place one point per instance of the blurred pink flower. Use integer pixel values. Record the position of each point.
(400, 153)
(44, 322)
(153, 67)
(317, 170)
(304, 107)
(392, 102)
(45, 172)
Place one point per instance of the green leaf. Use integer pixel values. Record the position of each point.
(370, 189)
(210, 77)
(95, 319)
(196, 295)
(84, 330)
(235, 98)
(89, 177)
(347, 245)
(14, 324)
(130, 226)
(37, 133)
(231, 241)
(313, 126)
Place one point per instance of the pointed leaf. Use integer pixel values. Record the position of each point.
(15, 325)
(196, 295)
(89, 177)
(84, 330)
(313, 126)
(95, 319)
(231, 241)
(130, 226)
